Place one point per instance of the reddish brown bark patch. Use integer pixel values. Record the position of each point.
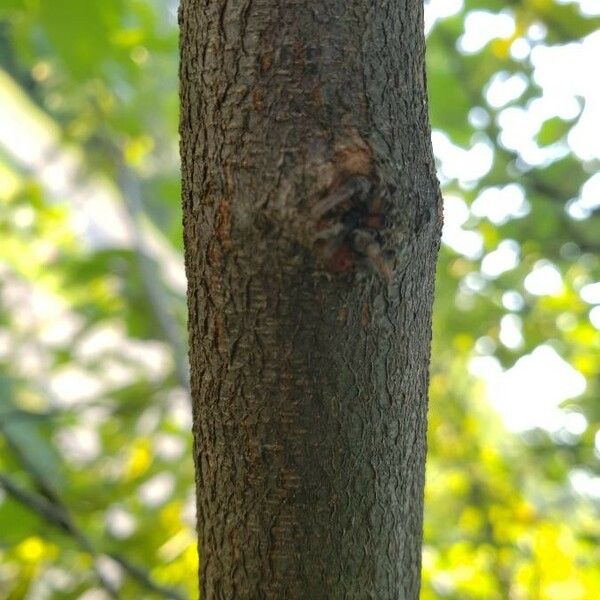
(223, 223)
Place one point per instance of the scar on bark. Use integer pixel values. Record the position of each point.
(223, 223)
(348, 211)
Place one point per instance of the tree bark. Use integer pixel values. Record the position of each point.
(311, 223)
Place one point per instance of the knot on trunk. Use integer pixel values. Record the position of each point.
(348, 213)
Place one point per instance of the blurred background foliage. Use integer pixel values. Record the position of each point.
(96, 476)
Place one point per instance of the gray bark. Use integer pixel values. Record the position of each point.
(312, 223)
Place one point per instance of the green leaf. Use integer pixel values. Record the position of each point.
(26, 435)
(552, 131)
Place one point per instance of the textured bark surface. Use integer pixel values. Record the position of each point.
(312, 223)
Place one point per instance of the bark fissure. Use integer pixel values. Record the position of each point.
(311, 224)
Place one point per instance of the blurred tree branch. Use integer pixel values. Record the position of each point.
(132, 198)
(58, 516)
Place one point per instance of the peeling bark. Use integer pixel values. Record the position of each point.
(312, 223)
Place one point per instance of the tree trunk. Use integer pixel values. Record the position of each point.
(312, 223)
